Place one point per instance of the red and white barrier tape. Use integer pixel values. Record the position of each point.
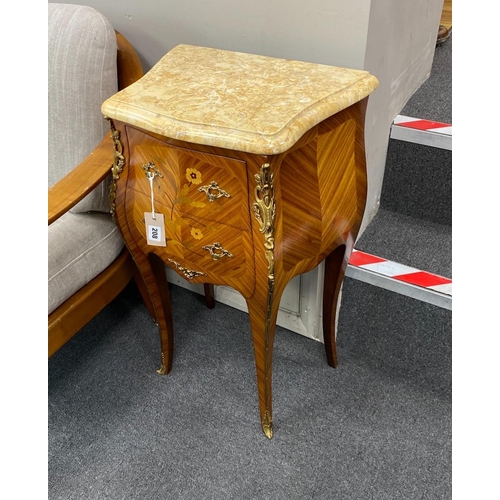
(425, 132)
(400, 272)
(439, 127)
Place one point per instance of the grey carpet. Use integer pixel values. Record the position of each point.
(379, 426)
(410, 241)
(418, 182)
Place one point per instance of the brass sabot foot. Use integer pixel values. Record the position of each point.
(162, 370)
(267, 426)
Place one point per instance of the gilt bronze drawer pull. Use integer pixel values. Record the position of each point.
(151, 170)
(213, 186)
(216, 251)
(188, 273)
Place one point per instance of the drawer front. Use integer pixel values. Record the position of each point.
(217, 250)
(198, 185)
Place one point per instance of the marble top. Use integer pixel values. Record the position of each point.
(234, 100)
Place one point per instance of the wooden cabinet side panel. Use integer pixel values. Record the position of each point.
(299, 203)
(342, 176)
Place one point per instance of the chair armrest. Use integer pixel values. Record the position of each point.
(128, 62)
(73, 187)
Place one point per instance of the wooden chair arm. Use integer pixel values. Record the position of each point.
(128, 62)
(73, 187)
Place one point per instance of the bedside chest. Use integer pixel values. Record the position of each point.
(240, 170)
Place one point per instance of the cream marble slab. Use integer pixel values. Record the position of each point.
(235, 100)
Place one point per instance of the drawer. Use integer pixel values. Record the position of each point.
(218, 250)
(196, 184)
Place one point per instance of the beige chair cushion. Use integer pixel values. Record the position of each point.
(82, 74)
(80, 247)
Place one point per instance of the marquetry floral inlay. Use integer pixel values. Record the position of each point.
(196, 234)
(193, 176)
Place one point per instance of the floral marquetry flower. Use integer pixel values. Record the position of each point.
(193, 175)
(196, 234)
(197, 204)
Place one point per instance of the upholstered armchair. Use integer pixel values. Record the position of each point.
(88, 265)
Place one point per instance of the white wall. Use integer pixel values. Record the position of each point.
(393, 39)
(322, 31)
(400, 46)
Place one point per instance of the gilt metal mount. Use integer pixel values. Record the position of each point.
(216, 251)
(209, 191)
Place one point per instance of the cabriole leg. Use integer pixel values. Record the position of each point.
(335, 266)
(153, 272)
(263, 311)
